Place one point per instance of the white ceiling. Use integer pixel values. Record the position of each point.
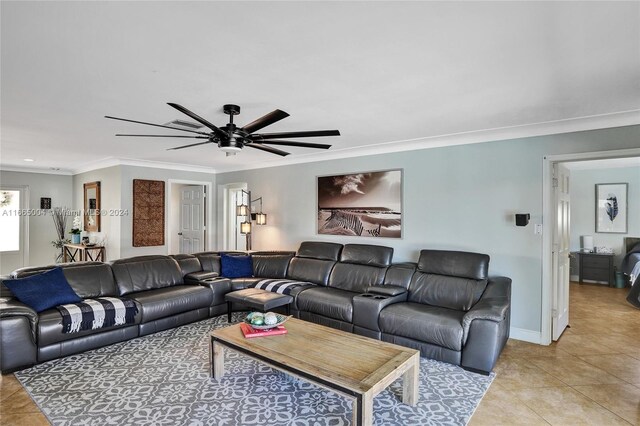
(388, 75)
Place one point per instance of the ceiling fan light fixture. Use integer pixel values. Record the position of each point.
(232, 145)
(230, 138)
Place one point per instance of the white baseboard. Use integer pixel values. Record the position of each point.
(525, 335)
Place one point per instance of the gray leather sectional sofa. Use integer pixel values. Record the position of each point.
(445, 305)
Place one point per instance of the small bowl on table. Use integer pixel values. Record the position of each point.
(281, 320)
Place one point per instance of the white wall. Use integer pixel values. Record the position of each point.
(583, 184)
(128, 174)
(173, 226)
(110, 200)
(41, 228)
(460, 198)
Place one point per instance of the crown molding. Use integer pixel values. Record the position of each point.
(111, 162)
(579, 124)
(618, 119)
(35, 170)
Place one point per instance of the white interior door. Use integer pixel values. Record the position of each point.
(192, 226)
(560, 312)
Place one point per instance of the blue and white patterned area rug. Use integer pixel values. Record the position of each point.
(163, 379)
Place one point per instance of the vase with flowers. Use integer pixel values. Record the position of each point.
(76, 229)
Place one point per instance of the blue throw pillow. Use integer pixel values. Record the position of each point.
(236, 266)
(43, 291)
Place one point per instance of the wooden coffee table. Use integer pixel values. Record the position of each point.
(351, 365)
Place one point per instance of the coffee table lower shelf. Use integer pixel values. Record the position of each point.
(403, 362)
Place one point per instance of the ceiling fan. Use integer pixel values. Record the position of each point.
(231, 138)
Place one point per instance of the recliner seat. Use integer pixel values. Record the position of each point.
(357, 267)
(445, 293)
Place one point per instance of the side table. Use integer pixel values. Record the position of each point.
(597, 267)
(82, 253)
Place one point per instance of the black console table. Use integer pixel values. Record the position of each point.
(597, 267)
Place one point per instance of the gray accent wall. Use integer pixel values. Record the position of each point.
(583, 216)
(41, 228)
(459, 198)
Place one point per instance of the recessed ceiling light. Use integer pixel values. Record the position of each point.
(54, 168)
(29, 159)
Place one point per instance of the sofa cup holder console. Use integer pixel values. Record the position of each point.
(367, 307)
(373, 296)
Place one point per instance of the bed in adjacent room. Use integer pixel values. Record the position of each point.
(631, 267)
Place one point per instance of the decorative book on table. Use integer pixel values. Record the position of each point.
(250, 332)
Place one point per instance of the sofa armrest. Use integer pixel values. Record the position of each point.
(367, 307)
(199, 276)
(18, 324)
(486, 327)
(494, 305)
(219, 286)
(386, 290)
(490, 308)
(498, 287)
(10, 307)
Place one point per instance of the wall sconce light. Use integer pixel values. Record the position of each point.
(245, 227)
(261, 219)
(242, 210)
(522, 219)
(245, 209)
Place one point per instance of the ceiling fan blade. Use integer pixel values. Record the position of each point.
(166, 136)
(156, 125)
(199, 119)
(309, 134)
(265, 121)
(268, 149)
(292, 143)
(190, 145)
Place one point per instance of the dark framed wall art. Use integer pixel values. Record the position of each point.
(611, 208)
(148, 213)
(361, 204)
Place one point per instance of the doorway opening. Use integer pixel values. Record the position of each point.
(189, 216)
(559, 242)
(14, 227)
(233, 238)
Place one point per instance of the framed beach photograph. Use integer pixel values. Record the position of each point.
(611, 208)
(361, 204)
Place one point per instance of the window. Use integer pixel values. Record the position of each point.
(9, 220)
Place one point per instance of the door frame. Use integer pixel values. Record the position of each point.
(208, 221)
(548, 202)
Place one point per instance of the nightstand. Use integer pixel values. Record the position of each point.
(597, 267)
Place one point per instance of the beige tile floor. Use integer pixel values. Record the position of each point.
(590, 377)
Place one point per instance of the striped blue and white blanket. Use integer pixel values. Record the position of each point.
(279, 286)
(91, 314)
